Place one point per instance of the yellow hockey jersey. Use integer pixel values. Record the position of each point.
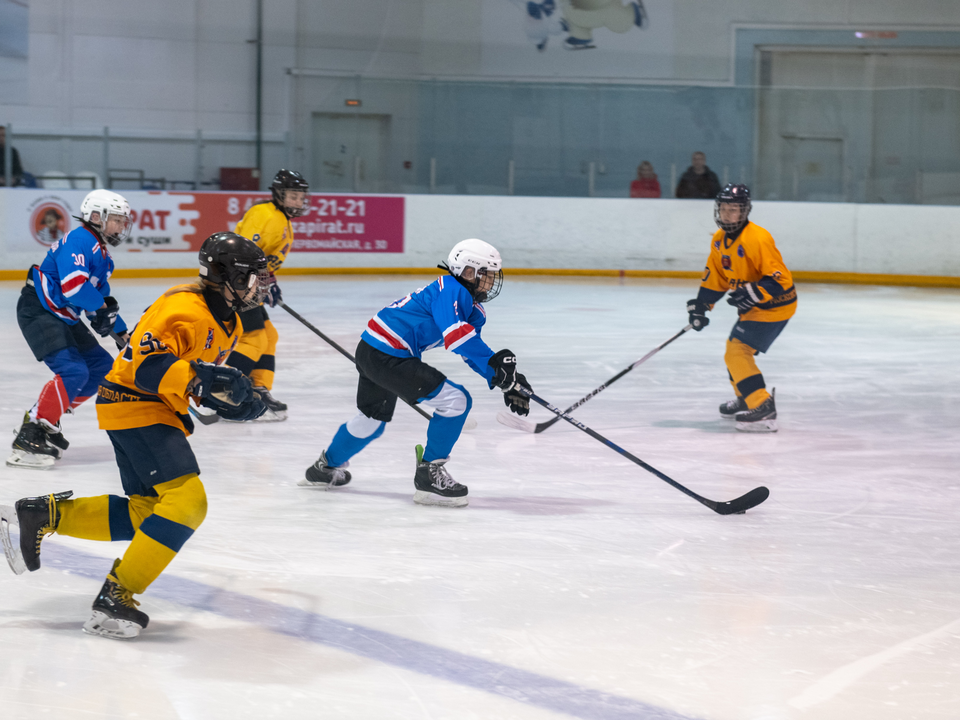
(751, 257)
(270, 229)
(148, 382)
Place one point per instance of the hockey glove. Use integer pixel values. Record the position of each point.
(102, 322)
(745, 297)
(220, 386)
(273, 292)
(121, 339)
(517, 402)
(245, 411)
(504, 364)
(698, 314)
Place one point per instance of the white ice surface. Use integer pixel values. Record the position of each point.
(575, 584)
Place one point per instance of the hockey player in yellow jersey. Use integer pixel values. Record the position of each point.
(744, 260)
(175, 353)
(268, 225)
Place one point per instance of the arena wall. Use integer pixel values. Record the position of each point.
(900, 244)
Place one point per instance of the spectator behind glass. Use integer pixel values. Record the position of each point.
(698, 181)
(16, 169)
(646, 185)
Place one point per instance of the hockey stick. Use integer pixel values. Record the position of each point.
(527, 426)
(339, 349)
(736, 506)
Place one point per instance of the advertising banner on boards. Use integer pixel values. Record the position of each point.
(181, 221)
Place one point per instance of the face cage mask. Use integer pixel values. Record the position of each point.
(292, 210)
(484, 297)
(732, 227)
(116, 238)
(252, 291)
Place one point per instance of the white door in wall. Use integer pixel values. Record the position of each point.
(349, 152)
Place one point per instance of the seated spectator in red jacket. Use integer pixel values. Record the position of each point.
(646, 185)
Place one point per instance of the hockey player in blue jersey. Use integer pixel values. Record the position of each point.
(448, 311)
(73, 279)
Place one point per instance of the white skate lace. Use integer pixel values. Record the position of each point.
(441, 478)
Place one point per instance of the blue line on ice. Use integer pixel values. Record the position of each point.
(449, 665)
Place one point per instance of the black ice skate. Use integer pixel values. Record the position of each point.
(322, 474)
(434, 484)
(276, 410)
(31, 448)
(55, 437)
(115, 613)
(762, 418)
(37, 518)
(730, 408)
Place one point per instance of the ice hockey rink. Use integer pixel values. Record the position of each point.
(575, 584)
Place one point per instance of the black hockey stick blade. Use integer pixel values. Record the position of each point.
(740, 505)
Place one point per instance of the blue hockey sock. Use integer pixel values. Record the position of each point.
(345, 444)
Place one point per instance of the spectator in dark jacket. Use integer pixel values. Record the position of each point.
(646, 185)
(16, 169)
(698, 181)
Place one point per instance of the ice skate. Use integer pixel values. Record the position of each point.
(115, 613)
(435, 486)
(37, 518)
(761, 419)
(31, 448)
(55, 438)
(276, 410)
(322, 474)
(729, 409)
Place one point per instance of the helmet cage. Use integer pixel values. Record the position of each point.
(486, 296)
(109, 206)
(738, 195)
(283, 183)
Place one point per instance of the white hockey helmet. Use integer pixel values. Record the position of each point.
(110, 206)
(484, 259)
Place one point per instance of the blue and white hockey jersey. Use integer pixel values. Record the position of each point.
(441, 312)
(74, 277)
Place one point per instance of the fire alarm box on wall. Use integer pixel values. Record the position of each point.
(240, 179)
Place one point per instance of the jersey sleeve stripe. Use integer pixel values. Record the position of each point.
(377, 327)
(72, 283)
(457, 335)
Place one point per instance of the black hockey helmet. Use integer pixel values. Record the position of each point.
(230, 260)
(733, 195)
(290, 180)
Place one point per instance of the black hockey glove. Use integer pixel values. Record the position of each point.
(504, 364)
(516, 401)
(220, 386)
(245, 411)
(745, 297)
(102, 322)
(121, 339)
(273, 292)
(698, 314)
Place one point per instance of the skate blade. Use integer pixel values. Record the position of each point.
(8, 516)
(271, 416)
(23, 459)
(105, 626)
(428, 498)
(760, 426)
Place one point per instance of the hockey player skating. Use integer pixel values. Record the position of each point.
(745, 260)
(268, 225)
(73, 279)
(449, 311)
(174, 353)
